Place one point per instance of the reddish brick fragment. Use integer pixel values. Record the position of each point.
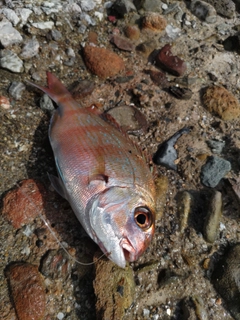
(27, 291)
(122, 43)
(23, 204)
(173, 64)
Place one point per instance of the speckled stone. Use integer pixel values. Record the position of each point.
(95, 59)
(204, 11)
(27, 291)
(154, 22)
(221, 102)
(226, 8)
(214, 170)
(22, 204)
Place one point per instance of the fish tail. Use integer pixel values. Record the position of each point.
(56, 90)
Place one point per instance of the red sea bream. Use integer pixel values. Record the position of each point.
(103, 175)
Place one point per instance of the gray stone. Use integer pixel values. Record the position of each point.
(204, 11)
(10, 61)
(8, 35)
(214, 170)
(30, 49)
(24, 14)
(226, 8)
(87, 5)
(46, 103)
(56, 35)
(10, 15)
(149, 5)
(43, 25)
(226, 280)
(16, 89)
(216, 145)
(214, 214)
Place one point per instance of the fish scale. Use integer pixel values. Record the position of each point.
(103, 175)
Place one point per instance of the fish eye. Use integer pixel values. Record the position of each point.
(143, 217)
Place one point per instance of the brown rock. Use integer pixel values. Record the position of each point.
(122, 43)
(23, 204)
(102, 62)
(222, 102)
(154, 21)
(159, 78)
(173, 64)
(27, 291)
(132, 32)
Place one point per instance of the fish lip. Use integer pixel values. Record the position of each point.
(128, 249)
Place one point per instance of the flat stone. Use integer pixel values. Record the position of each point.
(173, 64)
(22, 204)
(27, 291)
(30, 49)
(95, 59)
(8, 35)
(214, 170)
(204, 11)
(226, 279)
(10, 61)
(43, 25)
(154, 22)
(220, 101)
(122, 43)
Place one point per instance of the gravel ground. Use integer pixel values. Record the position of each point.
(173, 279)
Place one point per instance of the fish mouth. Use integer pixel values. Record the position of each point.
(128, 250)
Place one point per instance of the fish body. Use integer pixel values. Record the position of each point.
(103, 175)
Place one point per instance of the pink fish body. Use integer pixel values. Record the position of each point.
(104, 177)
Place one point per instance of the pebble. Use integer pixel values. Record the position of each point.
(130, 119)
(95, 58)
(46, 103)
(10, 15)
(30, 49)
(22, 204)
(147, 47)
(173, 64)
(81, 89)
(214, 170)
(16, 89)
(204, 11)
(226, 8)
(24, 14)
(122, 43)
(43, 25)
(4, 102)
(132, 32)
(9, 35)
(56, 35)
(159, 78)
(216, 145)
(226, 279)
(149, 5)
(10, 61)
(56, 264)
(166, 153)
(212, 220)
(221, 102)
(27, 291)
(88, 5)
(154, 22)
(181, 93)
(121, 7)
(184, 203)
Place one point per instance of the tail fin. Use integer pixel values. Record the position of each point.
(56, 90)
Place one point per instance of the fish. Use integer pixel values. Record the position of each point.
(103, 175)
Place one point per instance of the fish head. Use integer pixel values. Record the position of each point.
(122, 221)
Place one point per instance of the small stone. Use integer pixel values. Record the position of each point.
(27, 291)
(226, 279)
(169, 62)
(81, 89)
(147, 47)
(181, 93)
(30, 49)
(87, 5)
(43, 25)
(16, 89)
(159, 78)
(226, 8)
(96, 57)
(214, 170)
(56, 264)
(161, 183)
(132, 32)
(10, 61)
(56, 35)
(222, 102)
(214, 214)
(154, 22)
(204, 11)
(122, 43)
(184, 203)
(9, 35)
(216, 145)
(149, 5)
(10, 15)
(24, 14)
(46, 103)
(4, 103)
(121, 7)
(22, 204)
